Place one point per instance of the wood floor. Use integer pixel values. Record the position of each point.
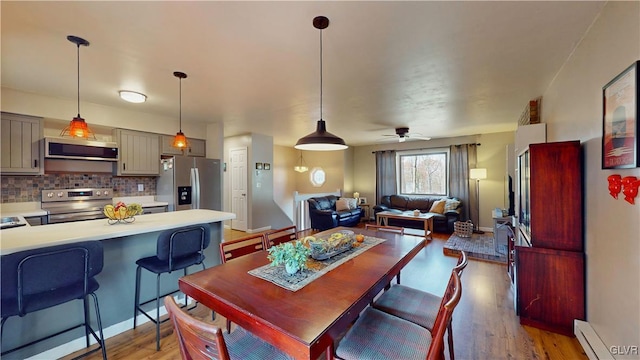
(484, 323)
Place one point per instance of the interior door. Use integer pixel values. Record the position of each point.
(239, 175)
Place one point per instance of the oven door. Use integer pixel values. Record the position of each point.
(76, 216)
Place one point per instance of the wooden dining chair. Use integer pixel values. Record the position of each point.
(279, 236)
(419, 307)
(393, 229)
(236, 248)
(200, 340)
(379, 335)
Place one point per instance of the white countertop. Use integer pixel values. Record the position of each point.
(144, 201)
(32, 237)
(25, 209)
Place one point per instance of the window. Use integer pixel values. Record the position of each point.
(423, 172)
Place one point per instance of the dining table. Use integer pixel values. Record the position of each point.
(303, 323)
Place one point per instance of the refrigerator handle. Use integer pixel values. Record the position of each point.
(195, 185)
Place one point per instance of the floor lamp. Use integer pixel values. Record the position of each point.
(477, 175)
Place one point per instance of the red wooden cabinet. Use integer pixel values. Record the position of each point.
(550, 274)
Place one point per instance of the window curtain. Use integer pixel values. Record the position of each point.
(463, 158)
(386, 183)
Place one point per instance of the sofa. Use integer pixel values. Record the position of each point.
(445, 214)
(327, 212)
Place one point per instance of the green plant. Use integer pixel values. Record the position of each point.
(292, 254)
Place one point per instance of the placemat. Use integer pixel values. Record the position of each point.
(315, 268)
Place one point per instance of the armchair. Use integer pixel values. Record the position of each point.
(324, 215)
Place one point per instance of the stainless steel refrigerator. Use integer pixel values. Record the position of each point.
(190, 183)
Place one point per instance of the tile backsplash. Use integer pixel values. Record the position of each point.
(17, 188)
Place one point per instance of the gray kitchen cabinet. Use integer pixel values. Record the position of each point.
(139, 152)
(22, 148)
(196, 147)
(154, 209)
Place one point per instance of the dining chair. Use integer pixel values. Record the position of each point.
(387, 228)
(379, 335)
(42, 278)
(235, 248)
(279, 236)
(177, 249)
(417, 306)
(200, 340)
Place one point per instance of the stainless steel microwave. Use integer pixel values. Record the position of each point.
(61, 148)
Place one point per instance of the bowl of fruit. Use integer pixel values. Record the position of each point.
(122, 212)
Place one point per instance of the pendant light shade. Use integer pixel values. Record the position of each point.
(78, 127)
(320, 140)
(180, 141)
(302, 166)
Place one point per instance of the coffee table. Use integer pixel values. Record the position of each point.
(382, 218)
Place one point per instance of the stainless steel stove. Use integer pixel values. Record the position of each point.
(75, 204)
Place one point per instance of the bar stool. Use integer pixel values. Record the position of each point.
(38, 279)
(177, 249)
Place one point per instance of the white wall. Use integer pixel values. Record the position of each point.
(572, 109)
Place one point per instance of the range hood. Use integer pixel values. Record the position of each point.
(75, 149)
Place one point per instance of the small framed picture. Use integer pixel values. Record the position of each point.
(363, 200)
(266, 166)
(258, 166)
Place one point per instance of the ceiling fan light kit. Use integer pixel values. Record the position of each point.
(321, 139)
(402, 133)
(180, 141)
(78, 127)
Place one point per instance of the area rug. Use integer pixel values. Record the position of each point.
(478, 246)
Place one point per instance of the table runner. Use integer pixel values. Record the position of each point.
(315, 268)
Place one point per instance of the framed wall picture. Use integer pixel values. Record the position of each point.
(620, 145)
(266, 166)
(258, 166)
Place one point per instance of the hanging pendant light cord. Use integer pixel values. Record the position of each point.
(78, 45)
(180, 104)
(321, 74)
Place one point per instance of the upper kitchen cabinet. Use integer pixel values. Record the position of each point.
(195, 147)
(139, 152)
(22, 149)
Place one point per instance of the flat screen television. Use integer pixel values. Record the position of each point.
(524, 181)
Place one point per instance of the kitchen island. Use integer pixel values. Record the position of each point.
(124, 244)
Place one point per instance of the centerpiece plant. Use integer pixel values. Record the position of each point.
(292, 254)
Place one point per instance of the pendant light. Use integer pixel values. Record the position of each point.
(180, 141)
(302, 165)
(78, 127)
(320, 140)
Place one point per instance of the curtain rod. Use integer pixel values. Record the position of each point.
(458, 145)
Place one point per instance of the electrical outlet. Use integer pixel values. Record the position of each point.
(140, 187)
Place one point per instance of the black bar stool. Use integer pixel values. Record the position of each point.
(38, 279)
(177, 249)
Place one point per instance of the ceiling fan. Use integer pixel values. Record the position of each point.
(402, 134)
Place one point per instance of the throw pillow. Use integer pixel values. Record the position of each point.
(437, 207)
(451, 205)
(352, 203)
(342, 204)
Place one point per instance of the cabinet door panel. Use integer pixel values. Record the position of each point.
(21, 150)
(139, 152)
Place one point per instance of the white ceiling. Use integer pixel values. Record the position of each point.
(440, 68)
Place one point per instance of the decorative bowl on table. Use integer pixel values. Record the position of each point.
(336, 243)
(122, 212)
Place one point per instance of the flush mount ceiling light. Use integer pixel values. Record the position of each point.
(78, 127)
(180, 141)
(302, 166)
(132, 96)
(320, 140)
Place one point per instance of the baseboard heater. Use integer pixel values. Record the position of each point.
(590, 341)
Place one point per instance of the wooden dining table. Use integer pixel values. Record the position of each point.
(306, 322)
